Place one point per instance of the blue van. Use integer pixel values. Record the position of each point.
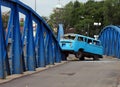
(81, 46)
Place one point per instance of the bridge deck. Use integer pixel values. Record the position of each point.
(103, 73)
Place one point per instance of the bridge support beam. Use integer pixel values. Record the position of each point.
(57, 54)
(60, 32)
(50, 50)
(41, 47)
(30, 45)
(17, 67)
(2, 50)
(46, 38)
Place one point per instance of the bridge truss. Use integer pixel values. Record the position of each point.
(27, 52)
(109, 37)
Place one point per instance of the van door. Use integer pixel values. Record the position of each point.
(93, 47)
(80, 43)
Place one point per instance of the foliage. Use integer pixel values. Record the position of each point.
(5, 20)
(21, 24)
(81, 16)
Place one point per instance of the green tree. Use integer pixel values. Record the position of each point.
(81, 16)
(67, 15)
(5, 20)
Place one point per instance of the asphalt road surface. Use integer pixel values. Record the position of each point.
(103, 73)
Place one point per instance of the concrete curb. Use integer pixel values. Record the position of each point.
(27, 73)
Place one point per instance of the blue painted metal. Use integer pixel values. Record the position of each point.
(41, 47)
(30, 45)
(72, 44)
(60, 32)
(46, 39)
(58, 57)
(53, 50)
(50, 50)
(109, 37)
(2, 65)
(16, 44)
(10, 25)
(40, 51)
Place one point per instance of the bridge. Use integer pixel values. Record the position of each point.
(28, 52)
(109, 37)
(41, 50)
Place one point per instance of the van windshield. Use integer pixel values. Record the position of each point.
(69, 37)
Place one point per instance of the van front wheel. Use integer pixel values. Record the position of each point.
(79, 54)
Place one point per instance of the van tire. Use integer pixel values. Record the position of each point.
(66, 55)
(79, 54)
(95, 57)
(82, 58)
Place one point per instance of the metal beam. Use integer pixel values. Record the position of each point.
(2, 62)
(30, 45)
(16, 44)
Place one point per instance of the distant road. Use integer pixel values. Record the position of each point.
(103, 73)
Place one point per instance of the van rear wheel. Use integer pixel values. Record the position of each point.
(82, 58)
(79, 54)
(95, 57)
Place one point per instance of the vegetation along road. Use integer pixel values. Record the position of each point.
(103, 73)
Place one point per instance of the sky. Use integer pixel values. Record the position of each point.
(45, 7)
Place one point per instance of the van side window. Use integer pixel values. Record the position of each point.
(69, 37)
(85, 39)
(89, 41)
(80, 38)
(96, 43)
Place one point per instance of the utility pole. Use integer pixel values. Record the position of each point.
(59, 2)
(35, 5)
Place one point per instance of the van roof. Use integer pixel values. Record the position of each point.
(72, 34)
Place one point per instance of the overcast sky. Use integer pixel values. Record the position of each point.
(45, 7)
